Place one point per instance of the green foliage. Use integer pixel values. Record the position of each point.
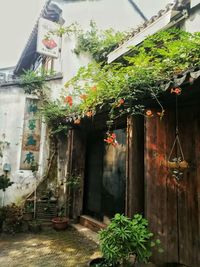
(5, 182)
(138, 77)
(61, 30)
(55, 115)
(29, 207)
(124, 237)
(73, 181)
(97, 43)
(12, 219)
(33, 82)
(171, 52)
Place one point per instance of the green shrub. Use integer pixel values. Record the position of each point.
(124, 237)
(11, 219)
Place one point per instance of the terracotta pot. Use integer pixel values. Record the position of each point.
(60, 223)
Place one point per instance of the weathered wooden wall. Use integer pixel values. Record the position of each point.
(173, 208)
(76, 167)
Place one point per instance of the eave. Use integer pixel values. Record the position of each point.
(29, 55)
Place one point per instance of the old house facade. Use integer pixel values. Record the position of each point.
(129, 178)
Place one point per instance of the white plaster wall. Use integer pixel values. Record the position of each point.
(116, 14)
(192, 24)
(12, 104)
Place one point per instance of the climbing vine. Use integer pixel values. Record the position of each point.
(97, 43)
(123, 86)
(34, 82)
(55, 115)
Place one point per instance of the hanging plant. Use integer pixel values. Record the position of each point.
(177, 164)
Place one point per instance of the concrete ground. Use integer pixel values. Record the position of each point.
(47, 249)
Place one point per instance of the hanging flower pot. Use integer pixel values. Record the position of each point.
(180, 164)
(183, 164)
(177, 164)
(172, 164)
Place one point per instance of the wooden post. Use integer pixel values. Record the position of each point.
(135, 166)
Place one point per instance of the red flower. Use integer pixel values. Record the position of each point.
(111, 139)
(77, 121)
(113, 136)
(89, 113)
(177, 91)
(149, 113)
(69, 100)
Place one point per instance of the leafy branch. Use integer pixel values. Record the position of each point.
(137, 77)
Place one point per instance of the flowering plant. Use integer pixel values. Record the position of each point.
(111, 139)
(176, 91)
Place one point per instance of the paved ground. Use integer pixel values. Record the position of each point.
(47, 249)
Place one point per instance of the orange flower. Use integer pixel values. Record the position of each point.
(83, 96)
(77, 121)
(177, 91)
(120, 102)
(108, 140)
(89, 113)
(111, 139)
(149, 113)
(94, 88)
(69, 100)
(113, 135)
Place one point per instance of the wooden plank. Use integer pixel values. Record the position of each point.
(197, 174)
(158, 208)
(77, 169)
(188, 206)
(171, 184)
(135, 166)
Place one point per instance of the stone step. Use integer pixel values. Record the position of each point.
(91, 223)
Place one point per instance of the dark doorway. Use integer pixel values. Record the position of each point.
(105, 176)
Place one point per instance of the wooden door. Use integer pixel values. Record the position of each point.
(173, 207)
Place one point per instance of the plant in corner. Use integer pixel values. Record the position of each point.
(61, 221)
(12, 219)
(125, 241)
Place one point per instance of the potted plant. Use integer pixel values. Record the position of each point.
(177, 166)
(124, 242)
(60, 222)
(12, 219)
